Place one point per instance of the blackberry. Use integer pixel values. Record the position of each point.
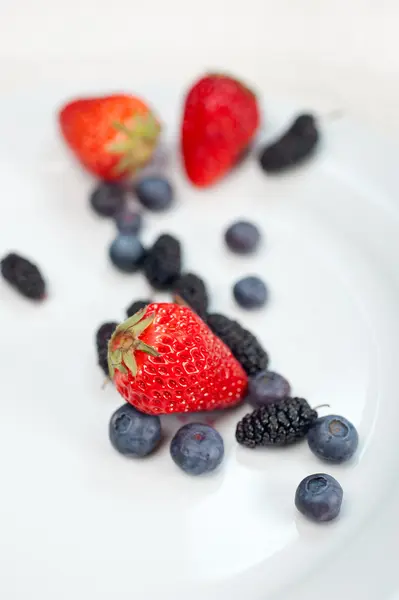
(296, 145)
(242, 343)
(278, 424)
(162, 265)
(24, 276)
(136, 306)
(192, 290)
(103, 335)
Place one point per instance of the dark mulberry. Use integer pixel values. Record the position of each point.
(296, 145)
(24, 276)
(277, 424)
(192, 290)
(162, 265)
(242, 343)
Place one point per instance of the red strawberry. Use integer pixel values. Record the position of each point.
(111, 136)
(220, 119)
(165, 359)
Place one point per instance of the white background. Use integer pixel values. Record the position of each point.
(351, 44)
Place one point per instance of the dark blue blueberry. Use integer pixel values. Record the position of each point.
(133, 433)
(319, 497)
(197, 448)
(127, 253)
(242, 237)
(155, 193)
(250, 292)
(333, 438)
(107, 199)
(267, 387)
(128, 221)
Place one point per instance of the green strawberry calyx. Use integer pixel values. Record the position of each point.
(135, 143)
(125, 342)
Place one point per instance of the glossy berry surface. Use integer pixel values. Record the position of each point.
(242, 237)
(250, 292)
(192, 370)
(319, 497)
(107, 199)
(155, 193)
(267, 387)
(133, 433)
(333, 438)
(197, 448)
(127, 253)
(128, 221)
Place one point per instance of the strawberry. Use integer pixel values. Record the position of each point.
(220, 119)
(112, 136)
(165, 359)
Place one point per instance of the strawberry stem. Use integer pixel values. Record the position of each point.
(125, 342)
(136, 144)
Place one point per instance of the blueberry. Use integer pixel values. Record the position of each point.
(107, 199)
(127, 253)
(133, 433)
(250, 292)
(319, 497)
(197, 448)
(242, 237)
(155, 193)
(333, 438)
(267, 387)
(128, 221)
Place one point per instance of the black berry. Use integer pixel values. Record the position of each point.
(192, 290)
(103, 335)
(24, 276)
(136, 306)
(243, 344)
(162, 265)
(296, 145)
(278, 424)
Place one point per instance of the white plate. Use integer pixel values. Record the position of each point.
(79, 521)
